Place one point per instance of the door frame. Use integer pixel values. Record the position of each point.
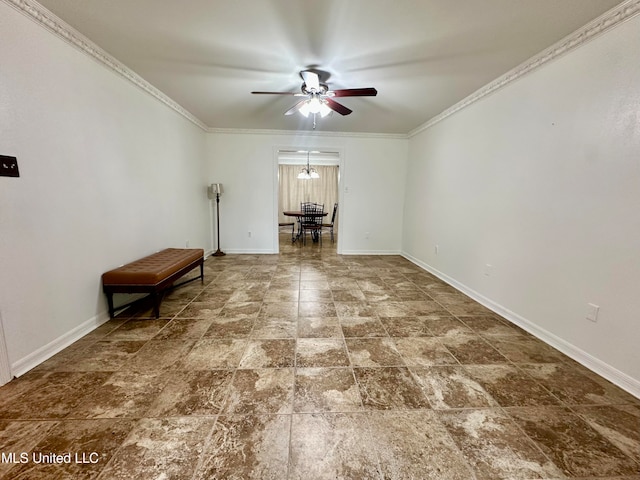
(5, 366)
(276, 186)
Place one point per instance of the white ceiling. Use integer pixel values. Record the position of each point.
(421, 55)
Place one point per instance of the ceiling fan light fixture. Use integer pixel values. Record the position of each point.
(325, 109)
(305, 109)
(314, 105)
(319, 97)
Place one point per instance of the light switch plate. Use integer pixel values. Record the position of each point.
(8, 166)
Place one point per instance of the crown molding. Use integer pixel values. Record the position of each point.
(308, 133)
(603, 23)
(66, 32)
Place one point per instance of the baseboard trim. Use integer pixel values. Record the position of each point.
(240, 251)
(34, 359)
(615, 376)
(371, 252)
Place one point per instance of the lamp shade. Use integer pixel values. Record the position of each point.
(214, 189)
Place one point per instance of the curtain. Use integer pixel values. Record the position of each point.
(294, 191)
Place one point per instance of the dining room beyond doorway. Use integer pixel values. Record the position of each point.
(307, 176)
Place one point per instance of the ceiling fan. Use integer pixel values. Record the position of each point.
(318, 99)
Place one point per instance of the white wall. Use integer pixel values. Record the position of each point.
(542, 180)
(371, 198)
(107, 174)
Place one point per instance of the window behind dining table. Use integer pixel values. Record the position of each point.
(294, 191)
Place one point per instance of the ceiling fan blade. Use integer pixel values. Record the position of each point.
(311, 79)
(354, 92)
(337, 107)
(295, 108)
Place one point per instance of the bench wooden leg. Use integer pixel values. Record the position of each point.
(156, 303)
(110, 303)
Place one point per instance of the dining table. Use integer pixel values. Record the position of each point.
(298, 216)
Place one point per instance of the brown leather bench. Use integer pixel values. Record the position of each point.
(152, 275)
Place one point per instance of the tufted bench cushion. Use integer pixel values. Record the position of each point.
(152, 274)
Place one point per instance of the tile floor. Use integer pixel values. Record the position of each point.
(310, 365)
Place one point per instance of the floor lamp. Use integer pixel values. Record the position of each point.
(216, 189)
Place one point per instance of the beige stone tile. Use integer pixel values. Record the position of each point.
(448, 387)
(510, 386)
(472, 349)
(20, 437)
(390, 388)
(316, 296)
(572, 387)
(619, 424)
(279, 310)
(274, 295)
(362, 327)
(160, 448)
(489, 325)
(122, 395)
(247, 447)
(446, 326)
(137, 330)
(230, 327)
(373, 352)
(259, 391)
(213, 353)
(406, 326)
(98, 440)
(195, 393)
(274, 327)
(319, 327)
(272, 353)
(423, 351)
(332, 445)
(353, 295)
(571, 443)
(316, 309)
(159, 355)
(56, 397)
(326, 390)
(183, 328)
(495, 447)
(414, 444)
(205, 309)
(321, 352)
(240, 309)
(521, 349)
(354, 309)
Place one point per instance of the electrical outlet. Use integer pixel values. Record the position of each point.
(592, 312)
(186, 244)
(488, 270)
(249, 233)
(366, 235)
(436, 249)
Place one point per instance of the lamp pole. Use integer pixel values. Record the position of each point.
(217, 188)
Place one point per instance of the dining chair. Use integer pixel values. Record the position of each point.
(311, 221)
(333, 220)
(293, 229)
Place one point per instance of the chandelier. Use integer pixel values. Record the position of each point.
(307, 173)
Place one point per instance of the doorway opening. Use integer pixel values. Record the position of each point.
(307, 175)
